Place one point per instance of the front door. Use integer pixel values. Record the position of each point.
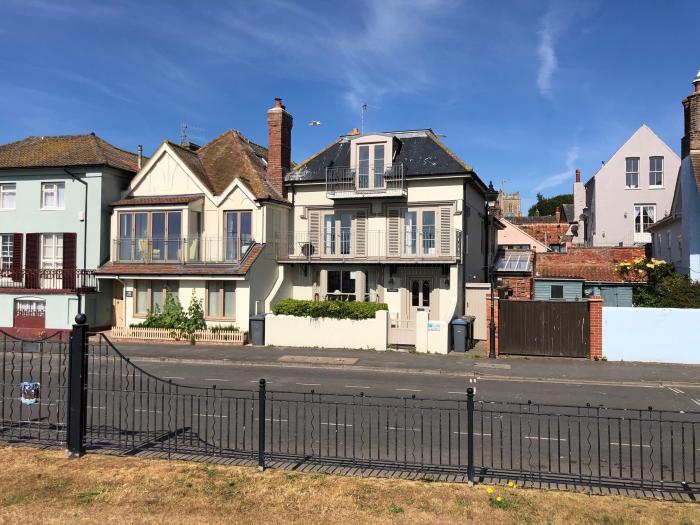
(419, 293)
(117, 304)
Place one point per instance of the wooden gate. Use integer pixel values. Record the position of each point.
(544, 328)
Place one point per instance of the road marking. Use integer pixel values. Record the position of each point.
(214, 379)
(467, 433)
(210, 415)
(696, 401)
(675, 390)
(173, 377)
(407, 390)
(336, 424)
(403, 428)
(257, 381)
(356, 386)
(309, 384)
(315, 360)
(545, 438)
(628, 445)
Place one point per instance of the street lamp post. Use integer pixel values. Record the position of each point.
(490, 196)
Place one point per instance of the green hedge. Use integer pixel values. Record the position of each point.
(331, 309)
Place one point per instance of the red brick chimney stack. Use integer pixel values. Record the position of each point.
(557, 214)
(691, 111)
(578, 175)
(279, 146)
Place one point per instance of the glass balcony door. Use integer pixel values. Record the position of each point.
(370, 166)
(337, 233)
(150, 236)
(239, 234)
(419, 237)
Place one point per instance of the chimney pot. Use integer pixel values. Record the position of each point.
(278, 103)
(139, 156)
(578, 175)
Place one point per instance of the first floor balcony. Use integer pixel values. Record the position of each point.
(347, 245)
(365, 182)
(50, 279)
(182, 250)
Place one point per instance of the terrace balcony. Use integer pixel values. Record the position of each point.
(62, 280)
(185, 250)
(353, 183)
(426, 245)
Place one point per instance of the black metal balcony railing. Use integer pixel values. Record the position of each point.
(60, 279)
(182, 250)
(346, 182)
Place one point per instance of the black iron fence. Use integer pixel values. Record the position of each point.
(114, 404)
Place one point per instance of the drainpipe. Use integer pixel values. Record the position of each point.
(85, 216)
(462, 292)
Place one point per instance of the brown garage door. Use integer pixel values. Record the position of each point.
(545, 328)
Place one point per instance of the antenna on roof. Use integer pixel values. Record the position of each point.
(184, 137)
(362, 121)
(315, 123)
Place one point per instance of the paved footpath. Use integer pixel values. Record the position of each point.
(542, 380)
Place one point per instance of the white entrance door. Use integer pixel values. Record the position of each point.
(475, 296)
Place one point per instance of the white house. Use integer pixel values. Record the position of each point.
(676, 237)
(630, 192)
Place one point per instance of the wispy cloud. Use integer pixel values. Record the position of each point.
(548, 60)
(552, 181)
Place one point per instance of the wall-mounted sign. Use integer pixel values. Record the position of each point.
(433, 327)
(29, 392)
(129, 293)
(392, 289)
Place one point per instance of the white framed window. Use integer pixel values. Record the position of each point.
(8, 192)
(51, 251)
(632, 172)
(371, 165)
(337, 233)
(644, 216)
(53, 195)
(656, 172)
(6, 244)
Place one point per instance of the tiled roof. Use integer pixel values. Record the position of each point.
(118, 268)
(155, 201)
(420, 152)
(589, 264)
(65, 151)
(536, 219)
(231, 155)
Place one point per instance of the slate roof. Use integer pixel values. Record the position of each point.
(589, 264)
(65, 151)
(568, 212)
(420, 151)
(231, 155)
(156, 200)
(120, 268)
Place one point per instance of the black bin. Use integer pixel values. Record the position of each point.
(256, 330)
(462, 333)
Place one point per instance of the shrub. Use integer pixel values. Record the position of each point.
(224, 328)
(329, 309)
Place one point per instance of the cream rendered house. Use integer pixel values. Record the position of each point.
(391, 217)
(197, 221)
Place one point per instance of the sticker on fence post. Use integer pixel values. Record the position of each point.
(29, 392)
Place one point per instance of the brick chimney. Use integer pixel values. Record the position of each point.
(691, 111)
(578, 175)
(557, 214)
(279, 146)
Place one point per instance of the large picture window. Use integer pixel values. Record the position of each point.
(151, 295)
(53, 195)
(153, 235)
(341, 285)
(8, 193)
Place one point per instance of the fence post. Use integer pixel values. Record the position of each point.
(261, 426)
(77, 386)
(470, 435)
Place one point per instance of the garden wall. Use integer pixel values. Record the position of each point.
(662, 335)
(287, 330)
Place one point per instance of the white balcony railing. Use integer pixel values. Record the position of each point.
(185, 250)
(426, 244)
(346, 182)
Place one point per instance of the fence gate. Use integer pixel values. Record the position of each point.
(544, 328)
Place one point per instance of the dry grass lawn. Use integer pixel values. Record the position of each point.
(39, 486)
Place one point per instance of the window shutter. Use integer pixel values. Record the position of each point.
(31, 261)
(361, 233)
(314, 233)
(69, 265)
(445, 230)
(17, 239)
(393, 244)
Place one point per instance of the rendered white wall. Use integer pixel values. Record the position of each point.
(662, 335)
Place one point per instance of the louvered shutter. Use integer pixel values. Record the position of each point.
(361, 233)
(31, 261)
(393, 227)
(17, 239)
(445, 230)
(314, 234)
(69, 255)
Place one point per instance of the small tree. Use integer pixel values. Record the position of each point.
(194, 319)
(173, 315)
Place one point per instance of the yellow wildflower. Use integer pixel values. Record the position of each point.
(489, 490)
(499, 498)
(510, 484)
(649, 265)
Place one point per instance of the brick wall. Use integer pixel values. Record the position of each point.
(521, 286)
(279, 149)
(488, 322)
(595, 312)
(691, 140)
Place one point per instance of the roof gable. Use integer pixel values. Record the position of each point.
(65, 151)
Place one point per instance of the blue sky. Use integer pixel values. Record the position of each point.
(524, 91)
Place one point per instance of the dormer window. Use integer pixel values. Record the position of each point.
(370, 165)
